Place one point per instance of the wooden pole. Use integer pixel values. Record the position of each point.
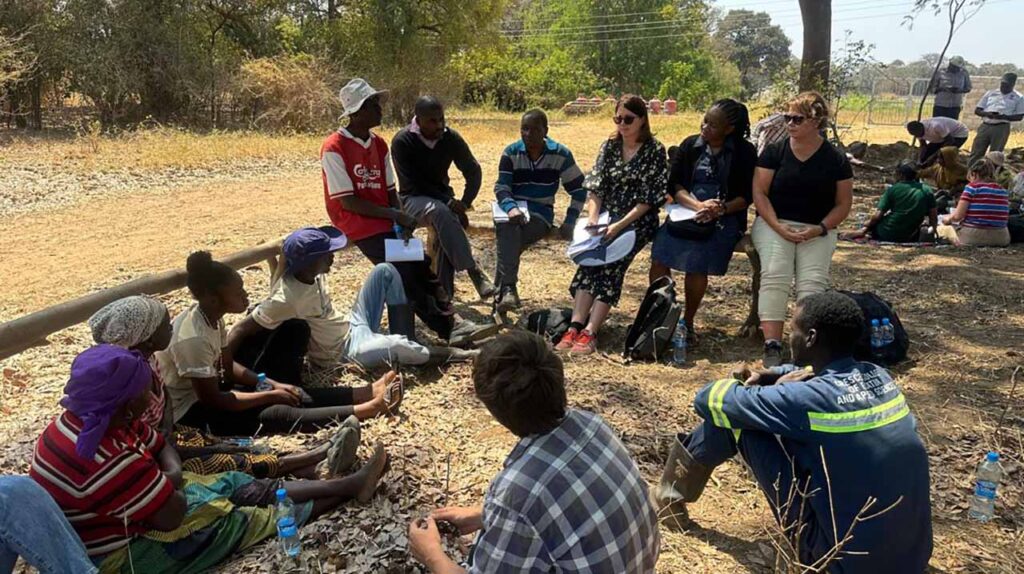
(31, 330)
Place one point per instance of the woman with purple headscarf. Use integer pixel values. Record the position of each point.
(122, 487)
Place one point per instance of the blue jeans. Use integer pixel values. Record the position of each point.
(367, 346)
(32, 526)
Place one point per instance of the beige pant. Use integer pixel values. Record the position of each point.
(782, 261)
(974, 236)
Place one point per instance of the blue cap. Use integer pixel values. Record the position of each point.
(885, 321)
(289, 530)
(302, 247)
(992, 457)
(874, 322)
(281, 493)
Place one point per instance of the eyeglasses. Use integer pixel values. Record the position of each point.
(795, 120)
(628, 120)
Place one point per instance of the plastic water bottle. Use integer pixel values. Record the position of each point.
(291, 546)
(284, 510)
(986, 481)
(679, 344)
(876, 336)
(888, 332)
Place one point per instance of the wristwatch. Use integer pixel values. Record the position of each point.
(824, 229)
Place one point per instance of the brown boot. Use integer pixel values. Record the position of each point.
(682, 481)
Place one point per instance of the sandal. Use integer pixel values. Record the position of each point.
(342, 454)
(394, 394)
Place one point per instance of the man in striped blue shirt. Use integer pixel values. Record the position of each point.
(530, 171)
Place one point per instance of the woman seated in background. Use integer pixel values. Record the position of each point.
(209, 390)
(143, 324)
(628, 181)
(713, 175)
(123, 490)
(949, 176)
(980, 216)
(298, 321)
(901, 210)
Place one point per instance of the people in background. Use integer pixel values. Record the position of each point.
(362, 201)
(628, 181)
(209, 390)
(803, 190)
(949, 87)
(935, 134)
(423, 152)
(713, 175)
(768, 131)
(298, 321)
(530, 170)
(123, 489)
(901, 210)
(1004, 176)
(981, 213)
(33, 527)
(568, 499)
(948, 175)
(824, 437)
(998, 108)
(143, 324)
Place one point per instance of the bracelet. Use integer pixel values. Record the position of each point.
(824, 229)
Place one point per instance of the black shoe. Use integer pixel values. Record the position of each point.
(483, 285)
(772, 354)
(507, 299)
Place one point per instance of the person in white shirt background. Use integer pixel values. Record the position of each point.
(950, 85)
(935, 134)
(998, 108)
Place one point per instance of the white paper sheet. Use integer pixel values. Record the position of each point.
(582, 240)
(678, 212)
(397, 250)
(500, 216)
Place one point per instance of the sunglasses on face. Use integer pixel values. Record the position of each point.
(628, 120)
(792, 119)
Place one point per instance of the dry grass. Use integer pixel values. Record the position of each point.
(964, 309)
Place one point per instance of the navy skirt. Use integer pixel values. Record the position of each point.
(709, 256)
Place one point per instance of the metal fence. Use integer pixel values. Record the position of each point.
(894, 102)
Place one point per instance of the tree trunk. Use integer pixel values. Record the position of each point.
(817, 21)
(36, 101)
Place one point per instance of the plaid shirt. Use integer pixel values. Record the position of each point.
(571, 500)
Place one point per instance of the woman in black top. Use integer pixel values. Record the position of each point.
(713, 175)
(628, 181)
(803, 190)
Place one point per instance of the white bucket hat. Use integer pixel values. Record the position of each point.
(357, 91)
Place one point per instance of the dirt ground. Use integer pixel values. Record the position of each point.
(964, 310)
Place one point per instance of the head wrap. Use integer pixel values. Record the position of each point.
(1009, 77)
(997, 158)
(127, 322)
(103, 378)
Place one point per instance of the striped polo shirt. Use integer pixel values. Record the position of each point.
(536, 182)
(108, 497)
(988, 205)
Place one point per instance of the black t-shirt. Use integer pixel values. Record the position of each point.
(804, 191)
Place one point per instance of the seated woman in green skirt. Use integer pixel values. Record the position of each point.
(122, 488)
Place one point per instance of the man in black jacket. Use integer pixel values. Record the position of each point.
(423, 152)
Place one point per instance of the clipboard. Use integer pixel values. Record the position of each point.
(398, 250)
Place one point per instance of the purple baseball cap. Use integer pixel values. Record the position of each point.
(302, 247)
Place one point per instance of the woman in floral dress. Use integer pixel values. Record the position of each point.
(629, 181)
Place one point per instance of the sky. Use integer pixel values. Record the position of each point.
(880, 22)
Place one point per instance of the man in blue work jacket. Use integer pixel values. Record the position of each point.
(838, 430)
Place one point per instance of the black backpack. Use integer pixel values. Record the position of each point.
(874, 307)
(651, 332)
(548, 323)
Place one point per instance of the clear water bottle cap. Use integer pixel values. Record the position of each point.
(992, 457)
(281, 493)
(885, 321)
(874, 322)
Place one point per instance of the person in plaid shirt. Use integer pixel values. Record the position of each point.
(569, 497)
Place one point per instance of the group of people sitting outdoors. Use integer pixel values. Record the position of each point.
(140, 464)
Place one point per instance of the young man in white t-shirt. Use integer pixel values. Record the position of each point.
(298, 320)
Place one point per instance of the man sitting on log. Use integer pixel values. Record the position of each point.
(830, 441)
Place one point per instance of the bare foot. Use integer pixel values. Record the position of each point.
(381, 384)
(307, 473)
(371, 473)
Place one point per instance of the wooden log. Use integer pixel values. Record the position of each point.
(32, 329)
